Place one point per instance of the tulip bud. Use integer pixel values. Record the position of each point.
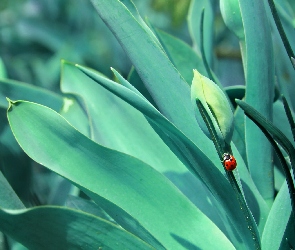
(216, 105)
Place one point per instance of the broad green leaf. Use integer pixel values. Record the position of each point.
(133, 134)
(8, 198)
(182, 56)
(259, 69)
(276, 223)
(118, 182)
(185, 181)
(168, 89)
(117, 125)
(194, 24)
(254, 199)
(22, 91)
(62, 228)
(186, 150)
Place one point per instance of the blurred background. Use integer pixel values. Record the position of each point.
(36, 34)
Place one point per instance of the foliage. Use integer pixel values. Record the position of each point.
(132, 157)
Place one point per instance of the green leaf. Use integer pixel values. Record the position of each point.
(277, 134)
(74, 112)
(281, 120)
(133, 134)
(235, 92)
(194, 20)
(182, 55)
(21, 91)
(276, 223)
(168, 89)
(193, 158)
(289, 116)
(117, 125)
(258, 69)
(62, 228)
(8, 198)
(135, 80)
(281, 31)
(121, 184)
(87, 206)
(3, 73)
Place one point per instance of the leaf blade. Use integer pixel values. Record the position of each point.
(116, 174)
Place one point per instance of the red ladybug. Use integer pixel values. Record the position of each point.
(229, 162)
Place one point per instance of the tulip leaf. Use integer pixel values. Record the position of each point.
(8, 198)
(21, 91)
(193, 158)
(168, 89)
(123, 185)
(51, 227)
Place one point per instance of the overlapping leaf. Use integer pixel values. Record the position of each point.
(121, 184)
(188, 152)
(62, 228)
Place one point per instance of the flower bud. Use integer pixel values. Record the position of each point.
(216, 105)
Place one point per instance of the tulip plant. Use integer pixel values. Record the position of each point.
(166, 158)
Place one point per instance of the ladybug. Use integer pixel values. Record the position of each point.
(229, 162)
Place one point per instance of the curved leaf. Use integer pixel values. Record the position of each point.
(133, 134)
(194, 20)
(117, 125)
(184, 58)
(8, 198)
(259, 69)
(168, 89)
(75, 114)
(22, 91)
(120, 183)
(193, 158)
(62, 228)
(276, 223)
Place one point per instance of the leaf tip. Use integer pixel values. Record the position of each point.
(10, 103)
(238, 101)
